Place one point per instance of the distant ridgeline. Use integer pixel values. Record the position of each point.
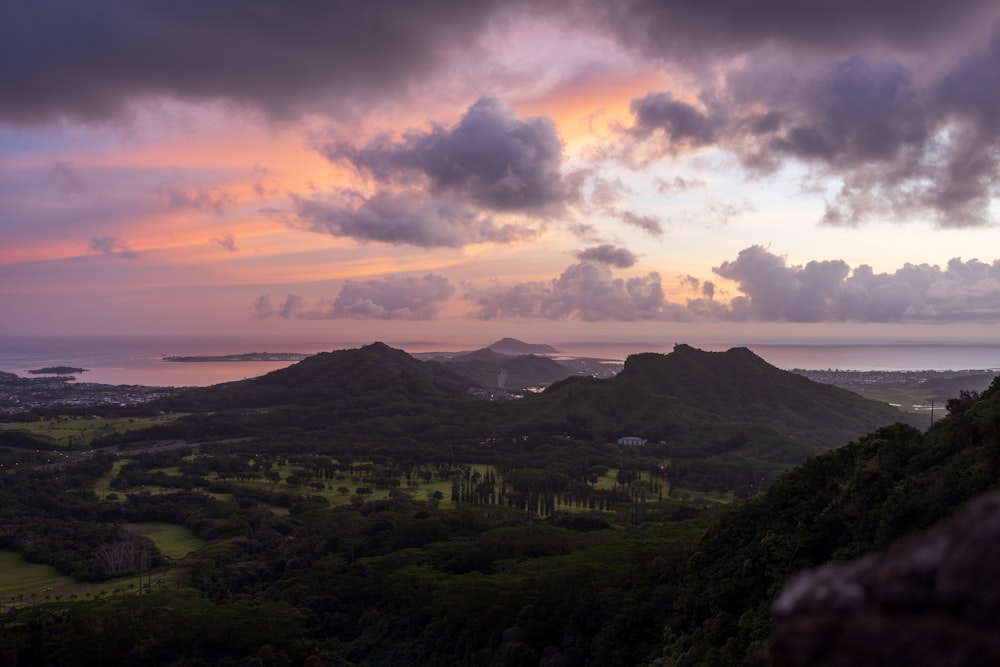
(249, 356)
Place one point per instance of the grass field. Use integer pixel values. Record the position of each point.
(417, 489)
(79, 432)
(20, 579)
(908, 399)
(29, 583)
(173, 541)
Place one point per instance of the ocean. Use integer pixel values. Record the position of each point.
(139, 359)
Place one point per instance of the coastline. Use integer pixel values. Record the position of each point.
(141, 360)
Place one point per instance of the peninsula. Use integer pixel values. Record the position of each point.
(57, 370)
(249, 356)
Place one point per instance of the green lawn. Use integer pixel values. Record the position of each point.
(915, 400)
(101, 486)
(18, 578)
(79, 432)
(173, 541)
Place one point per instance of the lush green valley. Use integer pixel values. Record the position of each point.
(360, 508)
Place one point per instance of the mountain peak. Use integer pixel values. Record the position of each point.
(514, 347)
(740, 386)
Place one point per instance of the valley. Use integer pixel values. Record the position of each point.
(377, 512)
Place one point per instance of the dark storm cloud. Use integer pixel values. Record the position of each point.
(896, 147)
(679, 28)
(490, 157)
(681, 122)
(408, 218)
(621, 258)
(901, 148)
(90, 60)
(831, 291)
(859, 110)
(112, 247)
(877, 97)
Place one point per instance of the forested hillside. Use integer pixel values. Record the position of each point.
(549, 547)
(727, 421)
(836, 506)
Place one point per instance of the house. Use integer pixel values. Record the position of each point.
(632, 441)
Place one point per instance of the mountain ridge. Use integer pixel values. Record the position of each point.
(726, 421)
(736, 385)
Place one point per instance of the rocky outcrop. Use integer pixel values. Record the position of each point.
(932, 599)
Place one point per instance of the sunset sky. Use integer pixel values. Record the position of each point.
(348, 169)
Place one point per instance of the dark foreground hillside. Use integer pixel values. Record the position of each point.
(835, 507)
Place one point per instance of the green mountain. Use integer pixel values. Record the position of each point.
(372, 394)
(484, 367)
(726, 421)
(374, 372)
(512, 347)
(686, 397)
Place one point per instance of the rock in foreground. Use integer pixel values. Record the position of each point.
(929, 600)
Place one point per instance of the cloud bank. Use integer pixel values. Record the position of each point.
(388, 298)
(894, 101)
(830, 291)
(900, 139)
(770, 290)
(767, 289)
(93, 60)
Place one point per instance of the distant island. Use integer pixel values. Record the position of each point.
(57, 370)
(249, 356)
(512, 346)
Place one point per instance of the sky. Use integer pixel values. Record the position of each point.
(573, 167)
